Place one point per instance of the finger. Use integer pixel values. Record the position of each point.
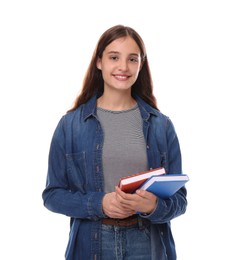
(145, 194)
(123, 195)
(119, 213)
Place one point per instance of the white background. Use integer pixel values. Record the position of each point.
(45, 48)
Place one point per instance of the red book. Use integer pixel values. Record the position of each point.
(130, 183)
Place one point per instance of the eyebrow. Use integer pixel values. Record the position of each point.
(116, 52)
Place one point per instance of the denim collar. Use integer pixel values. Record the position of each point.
(89, 108)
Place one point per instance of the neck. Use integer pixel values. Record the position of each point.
(116, 101)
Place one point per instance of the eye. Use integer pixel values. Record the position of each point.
(134, 59)
(114, 57)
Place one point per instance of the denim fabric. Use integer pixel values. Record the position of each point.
(126, 243)
(75, 181)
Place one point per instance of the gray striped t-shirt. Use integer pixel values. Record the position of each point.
(124, 148)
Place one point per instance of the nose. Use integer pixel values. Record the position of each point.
(123, 65)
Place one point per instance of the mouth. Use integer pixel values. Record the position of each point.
(121, 77)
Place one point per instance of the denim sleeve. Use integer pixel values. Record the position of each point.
(168, 209)
(57, 195)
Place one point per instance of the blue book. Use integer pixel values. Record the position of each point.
(164, 186)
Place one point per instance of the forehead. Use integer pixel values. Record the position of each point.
(123, 45)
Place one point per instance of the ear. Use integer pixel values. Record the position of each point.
(98, 63)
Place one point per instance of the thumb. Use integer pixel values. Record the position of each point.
(141, 193)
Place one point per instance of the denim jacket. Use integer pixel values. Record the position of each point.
(75, 182)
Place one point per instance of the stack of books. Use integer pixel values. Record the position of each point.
(157, 181)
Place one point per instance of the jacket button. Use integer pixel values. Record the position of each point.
(148, 147)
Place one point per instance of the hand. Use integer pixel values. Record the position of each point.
(112, 207)
(141, 201)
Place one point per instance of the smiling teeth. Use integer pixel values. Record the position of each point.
(121, 77)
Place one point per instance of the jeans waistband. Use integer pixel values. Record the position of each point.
(125, 222)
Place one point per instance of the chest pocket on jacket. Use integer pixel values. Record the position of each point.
(76, 171)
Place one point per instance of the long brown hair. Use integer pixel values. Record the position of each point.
(93, 83)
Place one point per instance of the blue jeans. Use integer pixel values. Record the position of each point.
(126, 243)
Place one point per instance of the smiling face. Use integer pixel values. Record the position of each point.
(120, 64)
